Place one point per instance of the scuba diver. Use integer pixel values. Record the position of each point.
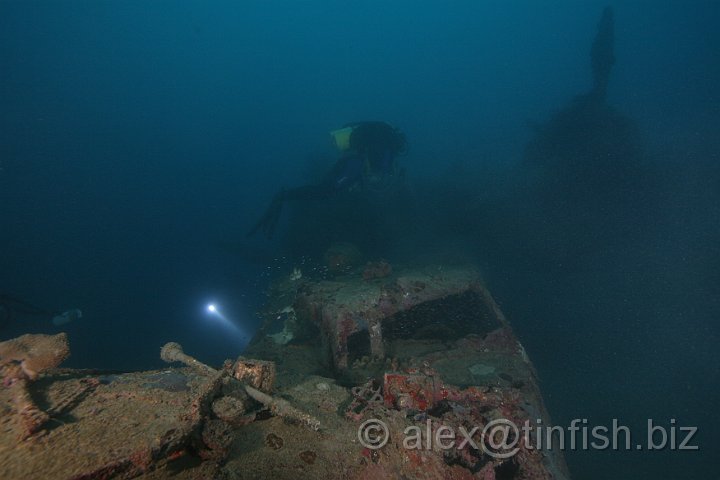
(11, 306)
(368, 157)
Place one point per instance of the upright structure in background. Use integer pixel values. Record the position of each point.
(589, 151)
(603, 54)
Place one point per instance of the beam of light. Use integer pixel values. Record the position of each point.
(214, 311)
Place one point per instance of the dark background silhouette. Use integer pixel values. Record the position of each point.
(139, 141)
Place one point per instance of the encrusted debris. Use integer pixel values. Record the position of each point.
(259, 374)
(22, 360)
(172, 352)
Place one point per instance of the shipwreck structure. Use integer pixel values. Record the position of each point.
(364, 372)
(406, 347)
(589, 150)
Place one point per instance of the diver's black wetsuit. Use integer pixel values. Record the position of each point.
(372, 152)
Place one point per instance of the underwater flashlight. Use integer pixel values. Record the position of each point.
(213, 310)
(218, 315)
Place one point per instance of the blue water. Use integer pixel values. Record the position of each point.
(139, 141)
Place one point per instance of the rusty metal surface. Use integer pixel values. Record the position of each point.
(344, 308)
(418, 348)
(109, 426)
(425, 347)
(256, 373)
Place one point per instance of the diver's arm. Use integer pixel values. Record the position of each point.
(270, 218)
(346, 172)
